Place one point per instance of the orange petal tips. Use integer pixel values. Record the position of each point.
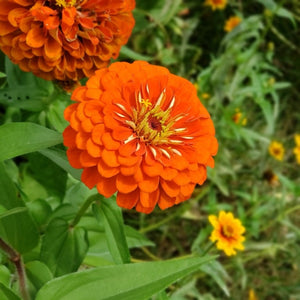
(138, 130)
(64, 39)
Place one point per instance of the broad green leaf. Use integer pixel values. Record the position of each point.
(111, 216)
(21, 138)
(5, 275)
(99, 254)
(63, 247)
(7, 294)
(126, 282)
(38, 273)
(12, 211)
(48, 174)
(17, 229)
(60, 158)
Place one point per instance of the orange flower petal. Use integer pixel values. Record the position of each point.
(128, 200)
(126, 184)
(107, 186)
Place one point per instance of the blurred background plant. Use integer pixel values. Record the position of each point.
(248, 78)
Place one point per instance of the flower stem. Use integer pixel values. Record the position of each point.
(208, 248)
(16, 259)
(84, 208)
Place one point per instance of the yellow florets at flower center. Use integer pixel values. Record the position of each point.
(66, 3)
(150, 123)
(227, 231)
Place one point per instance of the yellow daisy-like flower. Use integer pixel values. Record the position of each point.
(276, 150)
(252, 295)
(216, 4)
(231, 23)
(297, 154)
(228, 232)
(297, 139)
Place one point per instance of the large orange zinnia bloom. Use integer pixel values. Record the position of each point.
(140, 131)
(64, 39)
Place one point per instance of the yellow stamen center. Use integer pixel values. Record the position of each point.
(66, 3)
(150, 123)
(227, 231)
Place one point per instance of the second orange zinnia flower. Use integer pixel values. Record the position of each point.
(140, 131)
(64, 39)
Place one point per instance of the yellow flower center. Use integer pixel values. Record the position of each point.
(65, 3)
(227, 231)
(151, 123)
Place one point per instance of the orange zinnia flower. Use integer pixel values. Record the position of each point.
(216, 4)
(231, 23)
(64, 39)
(227, 232)
(140, 131)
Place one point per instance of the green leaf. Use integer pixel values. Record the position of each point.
(111, 217)
(7, 294)
(126, 282)
(125, 51)
(48, 174)
(60, 158)
(12, 211)
(18, 229)
(63, 247)
(38, 273)
(21, 138)
(218, 274)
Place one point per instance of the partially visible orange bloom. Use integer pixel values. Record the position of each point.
(231, 23)
(64, 39)
(227, 232)
(140, 131)
(216, 4)
(276, 150)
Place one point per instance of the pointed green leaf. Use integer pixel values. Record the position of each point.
(126, 282)
(63, 247)
(38, 273)
(111, 216)
(17, 229)
(7, 294)
(21, 138)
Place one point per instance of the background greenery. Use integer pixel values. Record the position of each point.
(254, 69)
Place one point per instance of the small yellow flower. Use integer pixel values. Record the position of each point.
(297, 154)
(205, 96)
(238, 118)
(216, 4)
(252, 295)
(297, 139)
(231, 23)
(276, 150)
(227, 232)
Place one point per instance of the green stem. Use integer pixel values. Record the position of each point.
(208, 248)
(84, 208)
(16, 259)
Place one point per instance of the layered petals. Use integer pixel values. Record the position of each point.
(64, 40)
(141, 132)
